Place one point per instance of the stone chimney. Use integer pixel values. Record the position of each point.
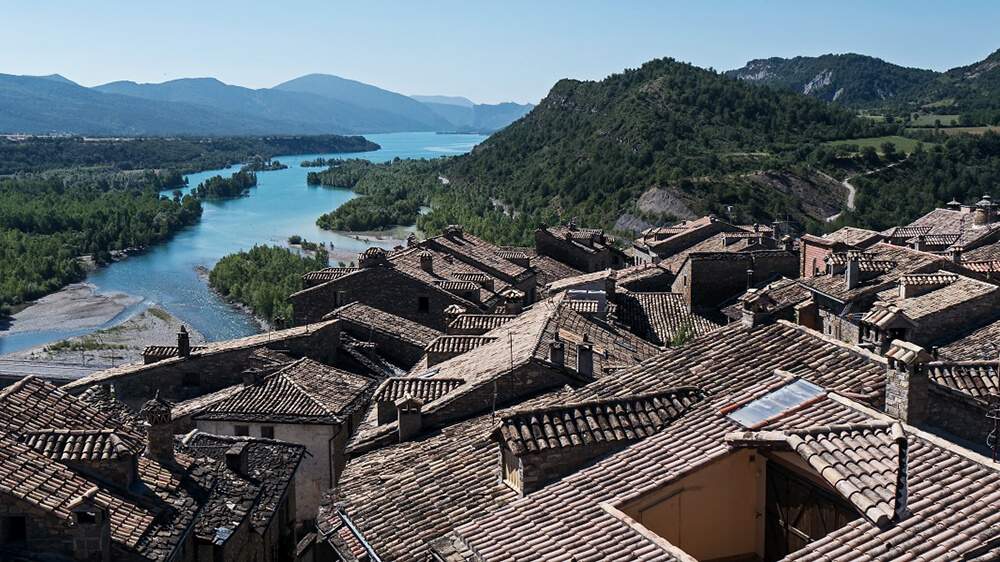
(452, 312)
(557, 353)
(852, 273)
(513, 300)
(585, 357)
(427, 261)
(754, 308)
(159, 430)
(236, 458)
(409, 417)
(983, 215)
(954, 205)
(453, 231)
(411, 240)
(749, 279)
(955, 253)
(183, 342)
(920, 244)
(907, 383)
(787, 243)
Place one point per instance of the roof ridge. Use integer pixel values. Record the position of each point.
(840, 428)
(4, 392)
(828, 339)
(303, 390)
(601, 401)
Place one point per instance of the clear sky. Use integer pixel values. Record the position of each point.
(487, 51)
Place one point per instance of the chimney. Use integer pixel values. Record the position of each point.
(983, 215)
(852, 273)
(585, 357)
(183, 342)
(427, 261)
(451, 313)
(787, 243)
(907, 382)
(749, 279)
(252, 377)
(159, 431)
(513, 300)
(236, 458)
(955, 253)
(409, 417)
(954, 205)
(411, 240)
(920, 244)
(557, 353)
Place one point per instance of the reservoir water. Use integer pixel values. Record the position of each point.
(281, 205)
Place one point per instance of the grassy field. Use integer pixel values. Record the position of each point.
(903, 144)
(929, 119)
(969, 130)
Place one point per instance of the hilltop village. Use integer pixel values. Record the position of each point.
(708, 391)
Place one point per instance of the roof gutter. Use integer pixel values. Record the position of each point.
(372, 555)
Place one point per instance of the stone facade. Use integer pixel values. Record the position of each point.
(587, 255)
(708, 279)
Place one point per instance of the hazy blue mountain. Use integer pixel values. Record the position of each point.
(301, 112)
(445, 100)
(366, 96)
(59, 78)
(484, 118)
(32, 104)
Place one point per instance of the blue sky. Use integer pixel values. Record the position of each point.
(487, 51)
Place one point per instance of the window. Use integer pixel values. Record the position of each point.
(267, 431)
(241, 430)
(423, 304)
(13, 528)
(86, 518)
(774, 403)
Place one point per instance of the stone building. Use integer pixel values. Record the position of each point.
(706, 280)
(400, 340)
(307, 403)
(419, 282)
(215, 366)
(814, 250)
(584, 249)
(663, 242)
(950, 231)
(77, 483)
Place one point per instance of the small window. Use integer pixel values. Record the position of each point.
(241, 430)
(13, 529)
(86, 518)
(267, 431)
(191, 379)
(423, 304)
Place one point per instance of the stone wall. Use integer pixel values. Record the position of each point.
(562, 250)
(944, 325)
(538, 469)
(708, 279)
(958, 414)
(44, 531)
(382, 288)
(526, 380)
(182, 378)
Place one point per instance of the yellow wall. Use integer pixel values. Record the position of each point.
(716, 512)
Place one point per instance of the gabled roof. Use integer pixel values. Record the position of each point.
(884, 263)
(866, 463)
(480, 322)
(366, 317)
(458, 344)
(425, 390)
(624, 419)
(978, 379)
(980, 343)
(951, 291)
(659, 317)
(304, 392)
(852, 236)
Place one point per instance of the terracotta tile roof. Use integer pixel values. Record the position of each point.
(952, 291)
(583, 306)
(782, 294)
(640, 272)
(980, 343)
(590, 240)
(985, 266)
(425, 390)
(363, 317)
(548, 270)
(512, 255)
(200, 403)
(585, 278)
(81, 444)
(952, 493)
(327, 274)
(978, 379)
(937, 241)
(988, 252)
(254, 341)
(853, 236)
(659, 317)
(457, 285)
(887, 262)
(478, 253)
(304, 392)
(866, 463)
(629, 418)
(458, 344)
(724, 242)
(480, 322)
(165, 351)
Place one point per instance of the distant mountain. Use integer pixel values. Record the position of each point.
(300, 112)
(32, 104)
(480, 118)
(867, 82)
(445, 100)
(850, 79)
(369, 97)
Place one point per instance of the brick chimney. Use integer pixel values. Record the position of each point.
(183, 342)
(907, 383)
(585, 357)
(409, 417)
(159, 431)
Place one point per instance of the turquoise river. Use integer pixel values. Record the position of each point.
(172, 274)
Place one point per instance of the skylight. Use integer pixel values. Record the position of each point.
(774, 403)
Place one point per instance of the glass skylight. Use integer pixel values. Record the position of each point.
(774, 403)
